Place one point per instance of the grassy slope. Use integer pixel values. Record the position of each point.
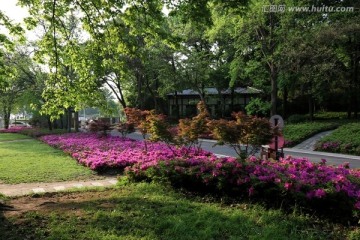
(346, 134)
(33, 161)
(298, 132)
(149, 211)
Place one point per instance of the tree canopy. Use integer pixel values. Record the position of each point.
(139, 51)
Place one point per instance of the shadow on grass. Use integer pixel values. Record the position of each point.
(154, 215)
(7, 227)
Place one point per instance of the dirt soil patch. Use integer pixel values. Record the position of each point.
(57, 202)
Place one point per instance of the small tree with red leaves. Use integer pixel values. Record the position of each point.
(191, 129)
(245, 134)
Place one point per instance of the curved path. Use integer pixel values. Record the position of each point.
(309, 144)
(31, 188)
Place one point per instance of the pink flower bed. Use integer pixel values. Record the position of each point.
(115, 152)
(297, 177)
(16, 129)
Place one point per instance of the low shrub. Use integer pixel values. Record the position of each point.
(125, 128)
(99, 126)
(345, 139)
(333, 192)
(297, 118)
(296, 133)
(330, 115)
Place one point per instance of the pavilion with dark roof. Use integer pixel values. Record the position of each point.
(220, 103)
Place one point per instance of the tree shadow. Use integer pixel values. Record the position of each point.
(135, 217)
(7, 227)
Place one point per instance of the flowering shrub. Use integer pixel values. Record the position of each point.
(332, 191)
(16, 129)
(330, 146)
(344, 139)
(115, 152)
(325, 189)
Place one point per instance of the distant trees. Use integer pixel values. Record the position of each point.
(140, 51)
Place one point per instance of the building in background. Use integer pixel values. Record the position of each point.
(220, 103)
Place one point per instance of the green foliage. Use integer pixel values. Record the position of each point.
(258, 107)
(297, 118)
(345, 139)
(38, 132)
(296, 133)
(330, 115)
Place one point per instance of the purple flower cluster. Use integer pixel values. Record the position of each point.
(330, 146)
(297, 176)
(15, 129)
(116, 152)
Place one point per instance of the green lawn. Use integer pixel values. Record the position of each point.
(150, 211)
(297, 132)
(12, 136)
(34, 161)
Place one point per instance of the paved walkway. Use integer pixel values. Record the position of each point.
(30, 188)
(309, 144)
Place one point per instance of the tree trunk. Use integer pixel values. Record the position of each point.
(356, 85)
(69, 117)
(274, 89)
(49, 123)
(6, 111)
(177, 105)
(285, 102)
(61, 121)
(311, 107)
(76, 121)
(232, 95)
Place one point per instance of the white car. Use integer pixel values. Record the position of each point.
(19, 124)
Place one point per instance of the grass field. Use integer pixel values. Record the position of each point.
(150, 211)
(11, 137)
(33, 161)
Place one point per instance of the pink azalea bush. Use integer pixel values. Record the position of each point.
(336, 190)
(116, 152)
(15, 129)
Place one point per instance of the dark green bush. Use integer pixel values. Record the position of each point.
(297, 118)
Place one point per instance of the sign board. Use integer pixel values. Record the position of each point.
(277, 119)
(281, 142)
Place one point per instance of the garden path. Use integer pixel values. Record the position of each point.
(31, 188)
(309, 144)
